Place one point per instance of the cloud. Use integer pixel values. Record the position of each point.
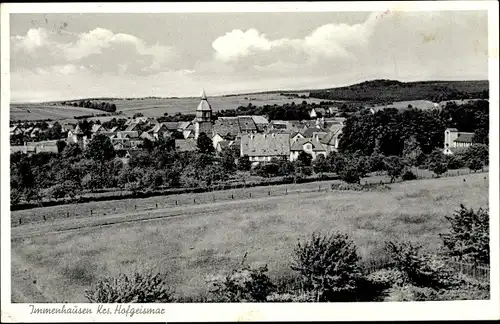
(98, 47)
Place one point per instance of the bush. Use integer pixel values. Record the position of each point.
(421, 269)
(469, 236)
(408, 175)
(244, 284)
(291, 298)
(454, 162)
(138, 288)
(394, 166)
(411, 293)
(329, 267)
(436, 162)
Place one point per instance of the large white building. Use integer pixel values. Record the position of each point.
(455, 141)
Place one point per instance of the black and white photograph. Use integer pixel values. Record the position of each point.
(248, 156)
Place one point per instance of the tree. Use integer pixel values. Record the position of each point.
(320, 164)
(304, 158)
(437, 162)
(205, 144)
(394, 166)
(336, 161)
(100, 149)
(244, 163)
(228, 159)
(476, 152)
(475, 163)
(355, 168)
(469, 236)
(72, 152)
(329, 266)
(60, 146)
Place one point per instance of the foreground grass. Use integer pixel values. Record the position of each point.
(190, 248)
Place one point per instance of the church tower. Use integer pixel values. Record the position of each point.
(203, 120)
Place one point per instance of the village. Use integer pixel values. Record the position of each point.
(254, 136)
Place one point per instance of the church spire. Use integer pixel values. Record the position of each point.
(203, 95)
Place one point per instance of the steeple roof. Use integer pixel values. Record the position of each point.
(203, 105)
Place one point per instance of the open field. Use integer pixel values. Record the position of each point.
(151, 107)
(210, 239)
(119, 206)
(46, 111)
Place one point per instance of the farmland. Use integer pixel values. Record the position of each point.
(150, 107)
(210, 238)
(46, 111)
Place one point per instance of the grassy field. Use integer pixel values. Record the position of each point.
(60, 266)
(46, 111)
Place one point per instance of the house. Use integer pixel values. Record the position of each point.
(51, 124)
(132, 127)
(171, 126)
(181, 126)
(264, 147)
(148, 136)
(261, 122)
(455, 141)
(309, 145)
(227, 126)
(185, 145)
(317, 112)
(97, 129)
(35, 131)
(310, 131)
(246, 125)
(75, 135)
(159, 130)
(332, 138)
(15, 130)
(189, 132)
(295, 136)
(222, 145)
(36, 147)
(67, 127)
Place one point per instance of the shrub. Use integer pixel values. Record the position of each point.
(408, 175)
(137, 288)
(244, 284)
(411, 293)
(421, 269)
(454, 162)
(328, 266)
(386, 278)
(469, 236)
(291, 298)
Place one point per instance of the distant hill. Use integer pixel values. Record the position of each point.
(387, 91)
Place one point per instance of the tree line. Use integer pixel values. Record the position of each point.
(388, 91)
(103, 105)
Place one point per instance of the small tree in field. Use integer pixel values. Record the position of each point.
(469, 235)
(354, 168)
(320, 164)
(328, 266)
(437, 162)
(394, 166)
(137, 288)
(474, 163)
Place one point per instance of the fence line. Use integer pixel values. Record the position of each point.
(204, 197)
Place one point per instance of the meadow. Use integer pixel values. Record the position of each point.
(57, 267)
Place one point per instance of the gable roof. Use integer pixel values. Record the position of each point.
(226, 126)
(171, 126)
(223, 144)
(145, 135)
(96, 128)
(131, 127)
(299, 145)
(265, 144)
(464, 138)
(309, 132)
(183, 125)
(246, 124)
(260, 119)
(184, 145)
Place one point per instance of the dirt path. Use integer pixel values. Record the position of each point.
(65, 225)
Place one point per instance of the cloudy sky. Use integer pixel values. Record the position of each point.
(64, 56)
